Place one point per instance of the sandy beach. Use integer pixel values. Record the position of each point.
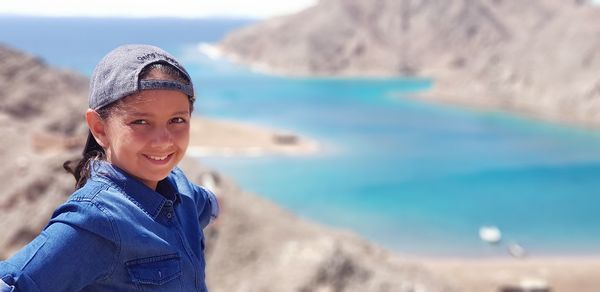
(213, 137)
(556, 273)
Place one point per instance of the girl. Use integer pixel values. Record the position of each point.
(135, 222)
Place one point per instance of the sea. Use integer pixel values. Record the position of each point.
(415, 177)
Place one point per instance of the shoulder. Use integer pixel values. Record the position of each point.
(86, 210)
(179, 177)
(184, 186)
(206, 201)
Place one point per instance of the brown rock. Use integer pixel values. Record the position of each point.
(537, 57)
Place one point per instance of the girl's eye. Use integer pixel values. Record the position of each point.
(178, 120)
(140, 122)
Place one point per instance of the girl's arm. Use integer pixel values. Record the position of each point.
(76, 249)
(210, 210)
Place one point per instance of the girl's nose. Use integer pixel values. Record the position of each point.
(162, 138)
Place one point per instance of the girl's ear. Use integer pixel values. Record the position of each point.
(97, 126)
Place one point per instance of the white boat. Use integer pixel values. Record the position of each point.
(490, 234)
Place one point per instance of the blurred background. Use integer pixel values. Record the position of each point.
(440, 137)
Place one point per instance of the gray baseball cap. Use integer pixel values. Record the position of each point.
(117, 74)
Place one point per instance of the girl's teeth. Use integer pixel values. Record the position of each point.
(158, 158)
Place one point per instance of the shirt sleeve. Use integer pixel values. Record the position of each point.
(210, 207)
(77, 248)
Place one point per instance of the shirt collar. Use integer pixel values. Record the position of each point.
(149, 200)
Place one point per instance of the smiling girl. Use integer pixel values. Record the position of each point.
(135, 222)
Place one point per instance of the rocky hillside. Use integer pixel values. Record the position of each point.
(254, 246)
(41, 113)
(539, 57)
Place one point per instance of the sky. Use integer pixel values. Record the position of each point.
(157, 8)
(154, 8)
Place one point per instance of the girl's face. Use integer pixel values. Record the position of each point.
(148, 134)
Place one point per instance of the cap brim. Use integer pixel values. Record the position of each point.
(166, 84)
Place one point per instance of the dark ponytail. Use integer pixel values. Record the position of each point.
(81, 172)
(92, 150)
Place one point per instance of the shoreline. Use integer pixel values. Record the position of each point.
(229, 138)
(488, 105)
(433, 95)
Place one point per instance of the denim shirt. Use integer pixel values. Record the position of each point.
(116, 234)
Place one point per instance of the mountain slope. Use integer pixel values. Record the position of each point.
(539, 57)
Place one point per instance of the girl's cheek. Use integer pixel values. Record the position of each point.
(180, 129)
(136, 133)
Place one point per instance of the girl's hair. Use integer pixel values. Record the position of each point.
(93, 150)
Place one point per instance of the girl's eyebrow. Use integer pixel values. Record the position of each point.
(181, 113)
(143, 114)
(139, 114)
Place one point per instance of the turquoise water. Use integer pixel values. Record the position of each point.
(414, 177)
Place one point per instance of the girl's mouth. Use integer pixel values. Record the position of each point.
(159, 159)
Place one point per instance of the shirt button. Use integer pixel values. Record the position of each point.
(169, 215)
